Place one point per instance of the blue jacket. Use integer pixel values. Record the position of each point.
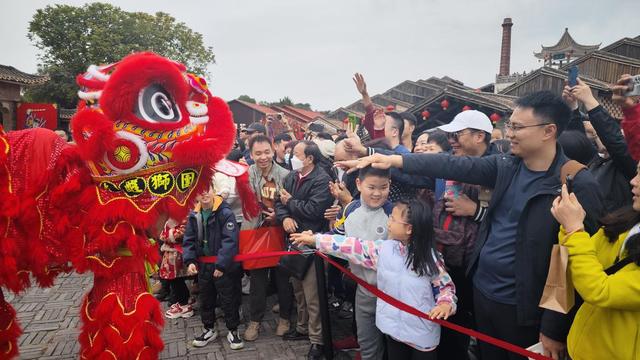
(537, 229)
(222, 237)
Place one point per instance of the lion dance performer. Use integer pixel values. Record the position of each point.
(147, 138)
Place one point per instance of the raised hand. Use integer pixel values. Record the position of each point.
(361, 85)
(582, 92)
(619, 89)
(568, 97)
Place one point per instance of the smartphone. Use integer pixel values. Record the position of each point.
(573, 75)
(634, 86)
(336, 173)
(569, 182)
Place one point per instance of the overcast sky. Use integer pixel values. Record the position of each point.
(308, 50)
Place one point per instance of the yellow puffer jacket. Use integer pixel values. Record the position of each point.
(607, 325)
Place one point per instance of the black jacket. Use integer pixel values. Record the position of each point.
(537, 229)
(615, 172)
(222, 238)
(310, 197)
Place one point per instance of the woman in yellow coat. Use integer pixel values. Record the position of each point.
(607, 325)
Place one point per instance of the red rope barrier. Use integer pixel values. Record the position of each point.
(393, 302)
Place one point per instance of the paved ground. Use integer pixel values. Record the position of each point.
(50, 320)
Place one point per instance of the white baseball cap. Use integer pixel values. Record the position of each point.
(470, 119)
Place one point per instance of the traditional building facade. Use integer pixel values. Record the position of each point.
(12, 84)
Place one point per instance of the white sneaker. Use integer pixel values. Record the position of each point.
(208, 335)
(235, 341)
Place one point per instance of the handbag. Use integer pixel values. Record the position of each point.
(297, 265)
(558, 294)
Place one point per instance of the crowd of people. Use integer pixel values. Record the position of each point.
(458, 221)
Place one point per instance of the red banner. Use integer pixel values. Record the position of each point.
(32, 115)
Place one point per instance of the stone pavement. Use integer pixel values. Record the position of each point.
(50, 322)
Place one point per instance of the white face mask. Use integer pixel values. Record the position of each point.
(287, 156)
(296, 164)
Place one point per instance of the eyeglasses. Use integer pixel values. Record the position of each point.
(396, 221)
(516, 128)
(456, 135)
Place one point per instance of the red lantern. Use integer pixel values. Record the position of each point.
(466, 107)
(495, 118)
(390, 107)
(425, 114)
(445, 104)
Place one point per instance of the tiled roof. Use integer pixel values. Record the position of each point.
(11, 74)
(546, 70)
(263, 109)
(627, 41)
(604, 55)
(308, 113)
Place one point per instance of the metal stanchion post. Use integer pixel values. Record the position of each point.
(324, 308)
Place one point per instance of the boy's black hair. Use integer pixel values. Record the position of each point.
(548, 107)
(258, 138)
(281, 137)
(371, 171)
(421, 247)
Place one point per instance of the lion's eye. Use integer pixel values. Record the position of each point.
(156, 105)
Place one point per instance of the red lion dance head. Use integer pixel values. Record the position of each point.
(149, 131)
(148, 135)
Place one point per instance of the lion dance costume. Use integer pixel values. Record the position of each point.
(148, 136)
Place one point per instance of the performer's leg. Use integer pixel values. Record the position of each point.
(9, 330)
(120, 316)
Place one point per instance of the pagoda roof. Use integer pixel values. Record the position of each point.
(11, 74)
(567, 44)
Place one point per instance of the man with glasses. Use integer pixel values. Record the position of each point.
(511, 256)
(456, 223)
